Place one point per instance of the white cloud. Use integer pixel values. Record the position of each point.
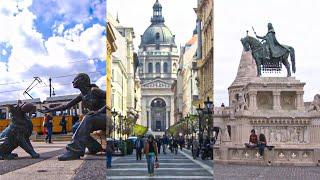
(32, 55)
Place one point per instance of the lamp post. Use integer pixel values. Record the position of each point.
(208, 105)
(199, 110)
(187, 119)
(114, 114)
(120, 125)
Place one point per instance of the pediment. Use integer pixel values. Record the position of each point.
(158, 83)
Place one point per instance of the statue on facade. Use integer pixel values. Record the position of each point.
(18, 132)
(269, 54)
(241, 103)
(315, 104)
(93, 99)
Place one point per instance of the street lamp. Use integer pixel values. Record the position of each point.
(199, 110)
(187, 119)
(120, 125)
(114, 114)
(208, 104)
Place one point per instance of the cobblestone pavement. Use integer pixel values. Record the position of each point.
(48, 167)
(180, 166)
(246, 172)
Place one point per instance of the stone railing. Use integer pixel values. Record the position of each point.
(275, 156)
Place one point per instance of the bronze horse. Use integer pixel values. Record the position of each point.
(258, 52)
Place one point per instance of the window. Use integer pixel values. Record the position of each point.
(150, 69)
(158, 67)
(141, 68)
(157, 36)
(165, 67)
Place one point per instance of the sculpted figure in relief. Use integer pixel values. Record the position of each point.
(315, 105)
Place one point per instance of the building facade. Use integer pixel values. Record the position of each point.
(158, 56)
(204, 12)
(111, 47)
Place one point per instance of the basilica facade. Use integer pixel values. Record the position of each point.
(158, 56)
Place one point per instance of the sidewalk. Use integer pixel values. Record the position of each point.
(48, 167)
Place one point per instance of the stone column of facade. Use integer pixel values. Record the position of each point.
(276, 100)
(300, 103)
(167, 117)
(253, 100)
(149, 120)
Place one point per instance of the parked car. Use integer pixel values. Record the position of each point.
(133, 139)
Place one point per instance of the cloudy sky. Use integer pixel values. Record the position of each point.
(295, 24)
(179, 16)
(50, 38)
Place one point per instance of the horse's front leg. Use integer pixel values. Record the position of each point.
(287, 65)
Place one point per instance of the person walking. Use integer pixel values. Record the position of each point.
(165, 142)
(109, 151)
(151, 152)
(159, 141)
(139, 147)
(175, 145)
(195, 148)
(48, 125)
(63, 124)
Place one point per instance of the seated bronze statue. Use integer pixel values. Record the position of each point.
(18, 132)
(93, 99)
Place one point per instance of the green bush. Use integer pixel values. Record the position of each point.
(139, 130)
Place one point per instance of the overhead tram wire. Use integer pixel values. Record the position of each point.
(15, 90)
(25, 81)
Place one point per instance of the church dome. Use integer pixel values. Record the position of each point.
(157, 32)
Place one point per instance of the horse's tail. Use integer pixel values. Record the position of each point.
(293, 59)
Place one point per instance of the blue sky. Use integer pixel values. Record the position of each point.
(50, 38)
(295, 25)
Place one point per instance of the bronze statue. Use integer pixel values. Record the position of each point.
(270, 54)
(94, 99)
(18, 132)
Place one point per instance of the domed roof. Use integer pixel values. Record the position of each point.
(157, 34)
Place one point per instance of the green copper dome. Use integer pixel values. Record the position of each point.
(157, 32)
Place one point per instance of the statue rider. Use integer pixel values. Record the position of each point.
(94, 99)
(273, 48)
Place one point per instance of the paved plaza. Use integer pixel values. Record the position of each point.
(180, 166)
(245, 172)
(48, 167)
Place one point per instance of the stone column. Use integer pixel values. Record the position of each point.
(253, 100)
(299, 101)
(276, 100)
(167, 118)
(149, 118)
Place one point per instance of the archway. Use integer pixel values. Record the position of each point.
(158, 115)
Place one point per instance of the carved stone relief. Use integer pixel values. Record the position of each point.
(264, 100)
(288, 100)
(284, 134)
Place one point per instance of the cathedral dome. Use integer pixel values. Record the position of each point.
(157, 32)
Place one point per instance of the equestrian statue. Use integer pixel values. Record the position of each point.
(269, 54)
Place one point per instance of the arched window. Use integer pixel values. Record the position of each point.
(157, 36)
(158, 67)
(165, 67)
(150, 69)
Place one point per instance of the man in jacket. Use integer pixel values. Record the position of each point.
(151, 152)
(139, 147)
